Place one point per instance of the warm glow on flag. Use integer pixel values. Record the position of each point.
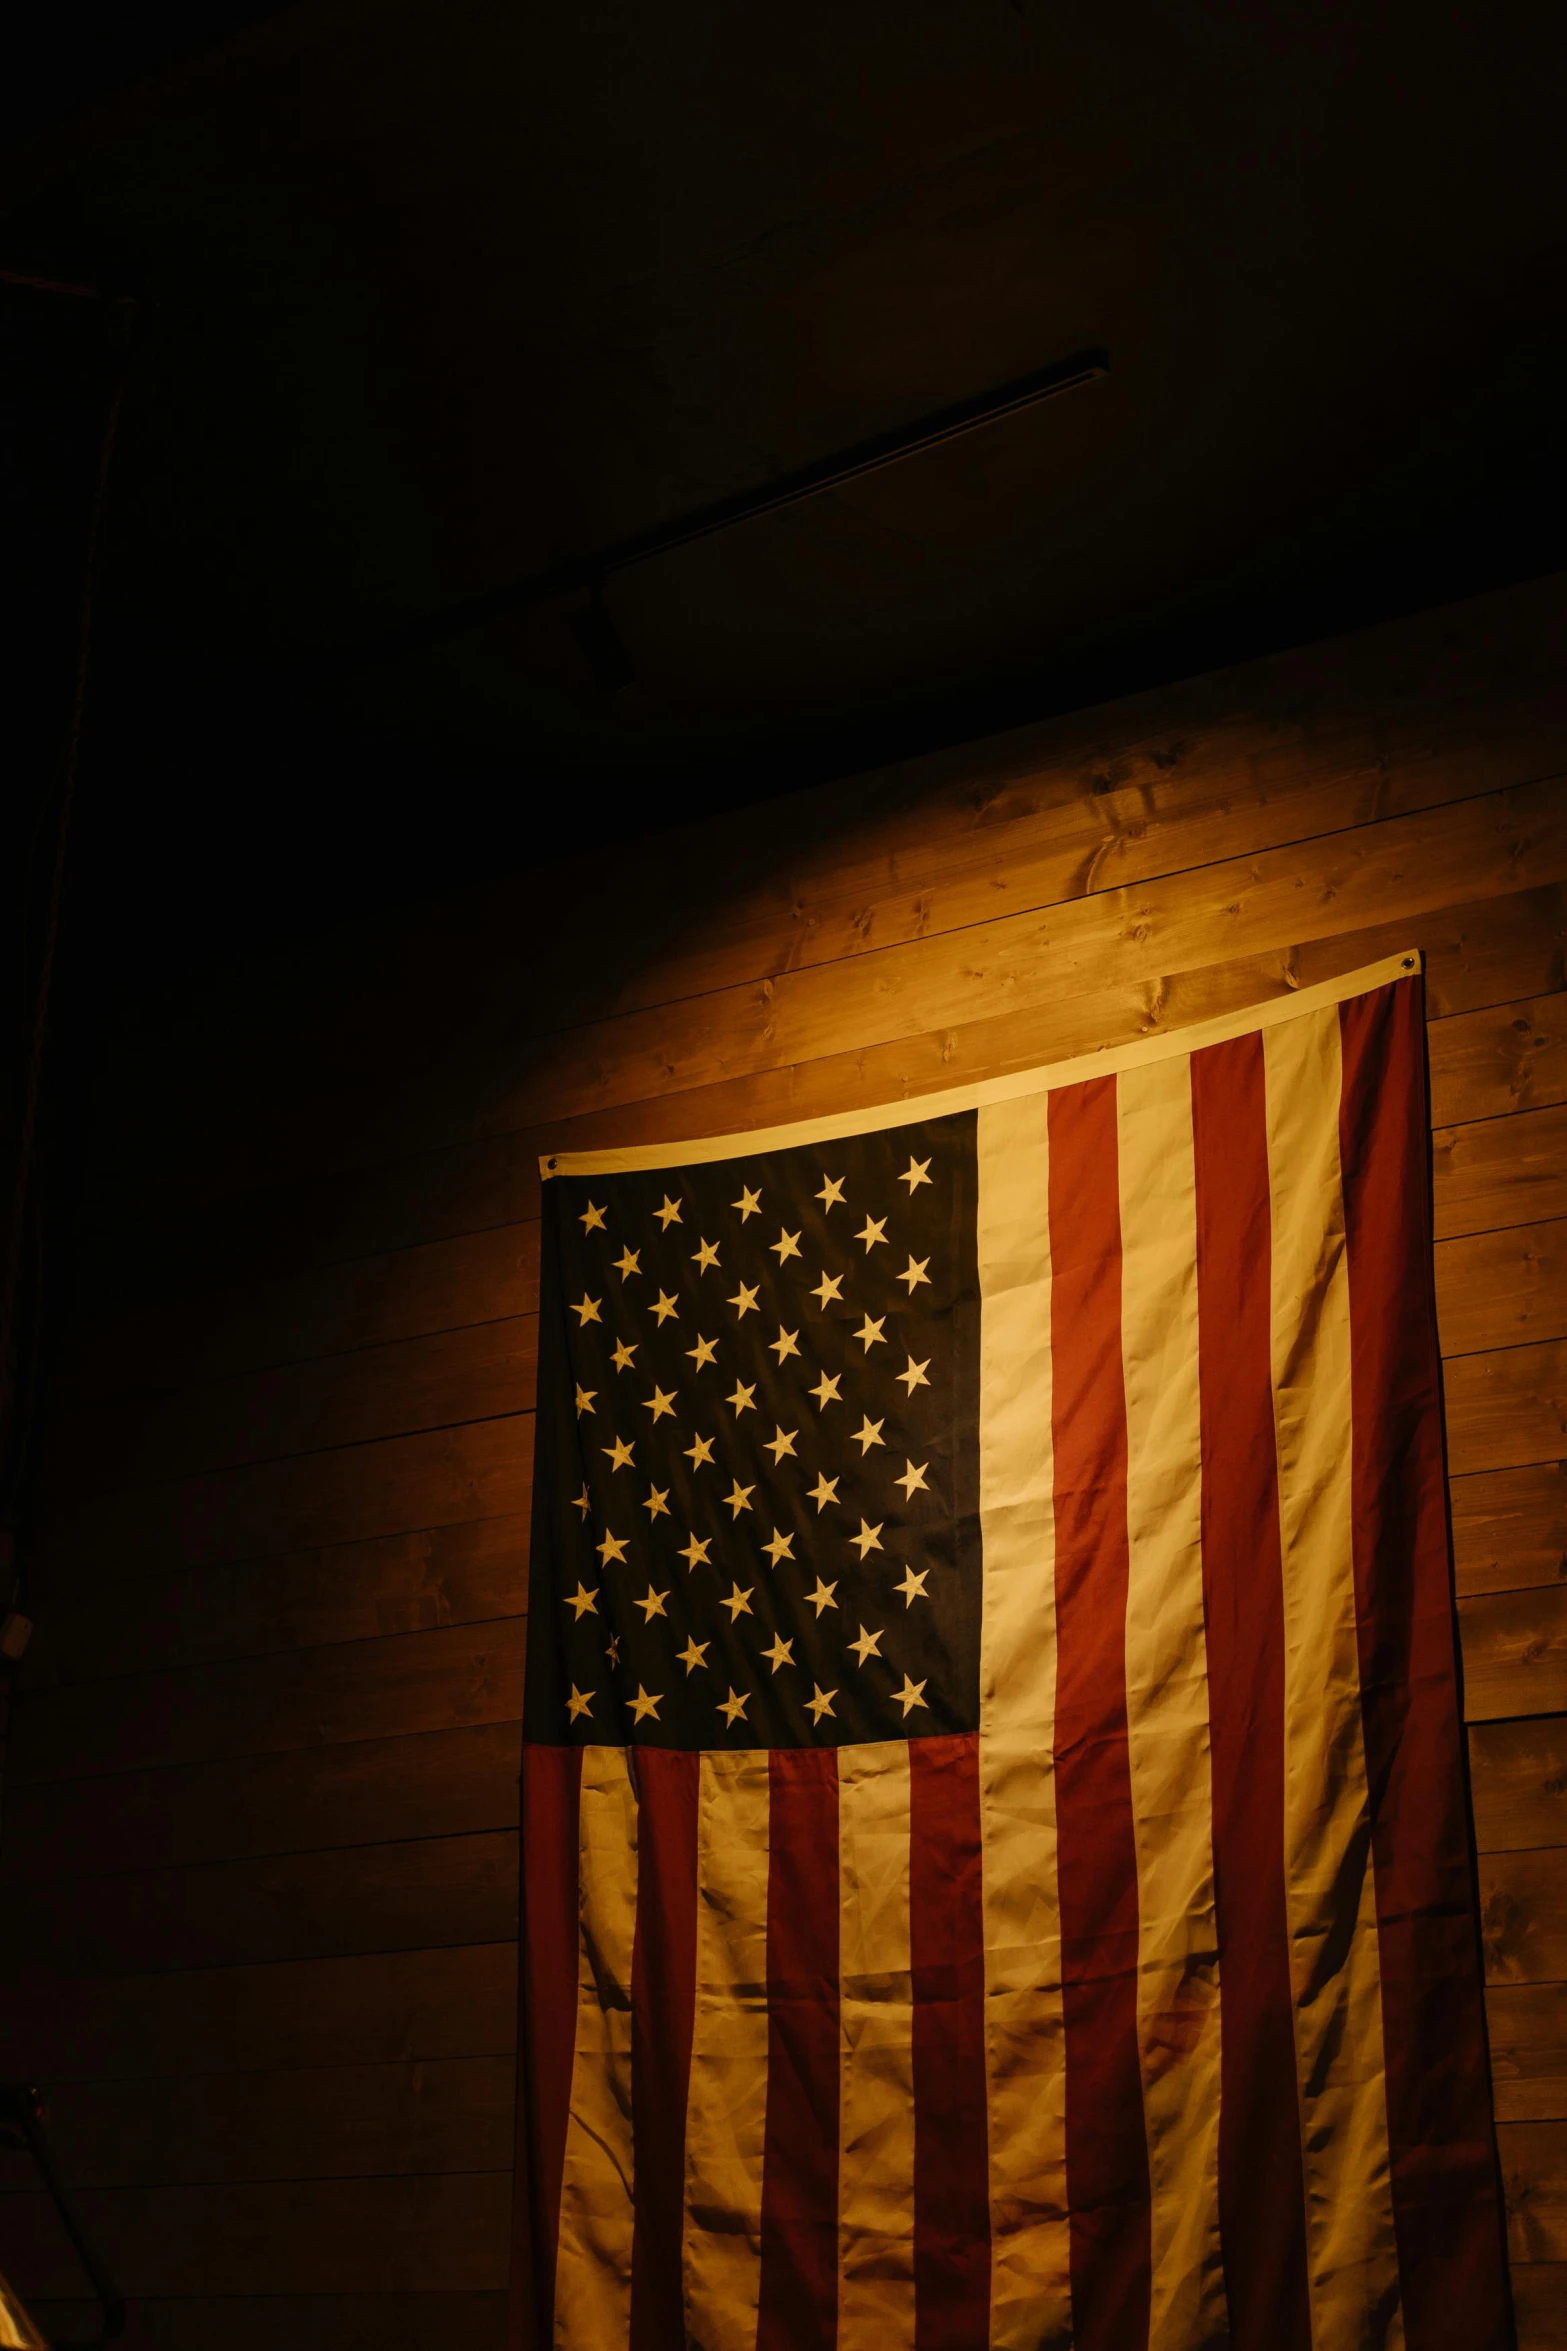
(995, 1864)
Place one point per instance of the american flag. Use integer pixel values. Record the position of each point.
(994, 1850)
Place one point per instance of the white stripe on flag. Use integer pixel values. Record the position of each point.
(1167, 1706)
(593, 2265)
(726, 2110)
(1030, 2307)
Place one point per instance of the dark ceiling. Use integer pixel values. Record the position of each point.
(431, 296)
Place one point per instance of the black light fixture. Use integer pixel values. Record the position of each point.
(602, 647)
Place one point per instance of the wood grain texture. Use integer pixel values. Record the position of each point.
(1534, 2177)
(1042, 830)
(416, 1784)
(319, 2322)
(1502, 1171)
(308, 1698)
(487, 1369)
(482, 1372)
(405, 1894)
(1077, 967)
(1508, 1408)
(1510, 1527)
(257, 1878)
(441, 2234)
(456, 1351)
(1518, 1777)
(392, 1005)
(1514, 1647)
(1091, 972)
(368, 1300)
(1523, 1916)
(1540, 2305)
(191, 1232)
(356, 1591)
(1504, 1057)
(481, 1469)
(378, 2008)
(1527, 2025)
(329, 2122)
(1498, 1289)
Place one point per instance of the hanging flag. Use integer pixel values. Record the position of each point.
(995, 1865)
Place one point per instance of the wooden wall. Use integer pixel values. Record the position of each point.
(258, 1854)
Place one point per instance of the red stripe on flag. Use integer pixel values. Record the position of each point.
(947, 1962)
(1262, 2197)
(1106, 2140)
(663, 2000)
(799, 2264)
(547, 2028)
(1446, 2205)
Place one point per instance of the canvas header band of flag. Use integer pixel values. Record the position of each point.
(994, 1853)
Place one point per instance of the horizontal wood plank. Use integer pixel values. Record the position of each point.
(1083, 967)
(408, 1896)
(1054, 821)
(446, 2234)
(441, 1380)
(488, 1370)
(1523, 1916)
(340, 2121)
(1503, 1171)
(377, 2008)
(1047, 841)
(1514, 1647)
(1503, 1058)
(1527, 2028)
(1500, 1289)
(306, 1699)
(1534, 2179)
(422, 1784)
(1510, 1527)
(405, 1179)
(1518, 1778)
(484, 1276)
(477, 962)
(408, 1583)
(309, 1501)
(1540, 2305)
(1484, 1064)
(1507, 1408)
(314, 2322)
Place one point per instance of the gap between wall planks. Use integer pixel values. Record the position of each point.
(258, 1861)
